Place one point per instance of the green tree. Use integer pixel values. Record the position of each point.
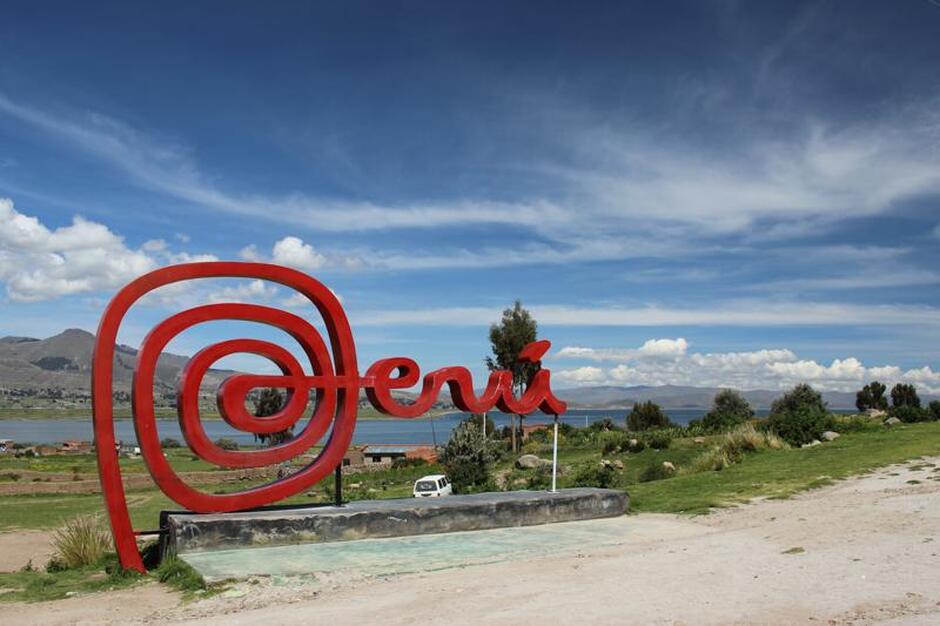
(467, 457)
(268, 403)
(871, 396)
(904, 395)
(515, 331)
(646, 415)
(934, 409)
(799, 415)
(729, 408)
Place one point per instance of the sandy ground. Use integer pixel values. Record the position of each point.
(864, 551)
(19, 548)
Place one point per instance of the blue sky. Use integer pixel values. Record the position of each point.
(695, 193)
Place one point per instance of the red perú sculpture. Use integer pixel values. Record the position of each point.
(337, 392)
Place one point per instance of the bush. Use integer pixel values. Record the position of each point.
(854, 423)
(169, 442)
(81, 541)
(656, 471)
(403, 462)
(600, 475)
(646, 415)
(602, 425)
(712, 460)
(909, 414)
(658, 439)
(729, 409)
(467, 458)
(799, 416)
(226, 444)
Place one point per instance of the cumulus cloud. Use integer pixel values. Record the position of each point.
(251, 291)
(37, 263)
(294, 252)
(653, 348)
(759, 369)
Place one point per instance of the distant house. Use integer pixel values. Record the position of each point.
(388, 453)
(6, 445)
(74, 446)
(528, 429)
(354, 456)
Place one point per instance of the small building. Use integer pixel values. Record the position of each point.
(353, 457)
(6, 445)
(528, 429)
(74, 446)
(383, 453)
(126, 449)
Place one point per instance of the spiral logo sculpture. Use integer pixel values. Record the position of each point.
(336, 383)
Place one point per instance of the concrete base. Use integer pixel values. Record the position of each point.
(189, 532)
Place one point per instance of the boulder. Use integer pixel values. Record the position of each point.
(876, 413)
(669, 467)
(699, 440)
(891, 421)
(618, 464)
(830, 435)
(530, 461)
(814, 442)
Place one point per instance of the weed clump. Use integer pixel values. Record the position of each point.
(81, 541)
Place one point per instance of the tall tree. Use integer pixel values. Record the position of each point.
(729, 409)
(269, 402)
(905, 395)
(515, 330)
(871, 396)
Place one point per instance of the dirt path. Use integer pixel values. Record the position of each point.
(18, 548)
(864, 551)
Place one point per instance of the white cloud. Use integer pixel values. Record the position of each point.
(37, 263)
(252, 291)
(154, 245)
(294, 252)
(653, 348)
(249, 253)
(760, 369)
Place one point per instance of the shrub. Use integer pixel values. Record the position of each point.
(658, 439)
(81, 541)
(177, 573)
(713, 459)
(656, 471)
(646, 415)
(602, 425)
(403, 462)
(467, 458)
(169, 442)
(600, 475)
(729, 409)
(799, 416)
(226, 444)
(909, 414)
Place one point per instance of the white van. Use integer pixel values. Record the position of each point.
(433, 486)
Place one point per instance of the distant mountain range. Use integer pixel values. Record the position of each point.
(60, 367)
(678, 397)
(63, 363)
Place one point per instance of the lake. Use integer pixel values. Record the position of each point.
(421, 430)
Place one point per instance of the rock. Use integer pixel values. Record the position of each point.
(669, 467)
(830, 435)
(699, 440)
(891, 421)
(876, 413)
(618, 464)
(633, 443)
(814, 442)
(530, 461)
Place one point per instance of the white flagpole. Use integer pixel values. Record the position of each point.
(555, 457)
